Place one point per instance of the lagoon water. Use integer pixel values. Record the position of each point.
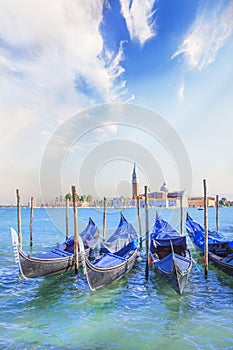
(59, 312)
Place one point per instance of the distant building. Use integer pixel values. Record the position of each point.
(63, 204)
(164, 188)
(135, 183)
(164, 198)
(118, 202)
(197, 202)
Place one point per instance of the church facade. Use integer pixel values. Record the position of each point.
(159, 199)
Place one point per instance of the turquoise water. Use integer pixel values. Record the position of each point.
(59, 312)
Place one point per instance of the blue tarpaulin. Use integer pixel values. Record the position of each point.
(197, 232)
(55, 253)
(167, 263)
(123, 239)
(164, 235)
(109, 260)
(89, 235)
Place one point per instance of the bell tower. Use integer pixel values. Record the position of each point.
(135, 183)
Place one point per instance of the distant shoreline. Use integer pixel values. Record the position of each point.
(101, 207)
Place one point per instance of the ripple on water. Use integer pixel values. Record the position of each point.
(60, 312)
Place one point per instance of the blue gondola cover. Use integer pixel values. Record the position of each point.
(164, 235)
(123, 240)
(109, 260)
(197, 232)
(89, 237)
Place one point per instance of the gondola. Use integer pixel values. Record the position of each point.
(59, 259)
(169, 254)
(220, 249)
(117, 257)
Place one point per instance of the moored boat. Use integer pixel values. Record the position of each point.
(170, 255)
(117, 257)
(220, 249)
(59, 259)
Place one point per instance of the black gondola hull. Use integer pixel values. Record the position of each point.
(170, 254)
(59, 259)
(32, 267)
(222, 261)
(99, 277)
(176, 281)
(176, 278)
(217, 262)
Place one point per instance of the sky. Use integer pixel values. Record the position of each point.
(87, 88)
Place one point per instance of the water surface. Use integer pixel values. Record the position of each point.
(59, 312)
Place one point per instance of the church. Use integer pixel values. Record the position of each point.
(163, 198)
(157, 199)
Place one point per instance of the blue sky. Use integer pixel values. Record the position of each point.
(62, 57)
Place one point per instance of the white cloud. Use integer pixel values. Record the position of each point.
(52, 64)
(138, 15)
(130, 99)
(51, 48)
(180, 93)
(47, 50)
(9, 128)
(106, 132)
(207, 35)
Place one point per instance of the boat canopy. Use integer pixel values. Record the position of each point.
(181, 240)
(165, 235)
(162, 229)
(198, 234)
(109, 260)
(123, 239)
(89, 235)
(167, 263)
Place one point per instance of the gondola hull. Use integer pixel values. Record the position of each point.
(222, 261)
(59, 259)
(32, 267)
(99, 277)
(178, 272)
(170, 255)
(218, 261)
(220, 264)
(176, 281)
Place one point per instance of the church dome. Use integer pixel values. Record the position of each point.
(164, 188)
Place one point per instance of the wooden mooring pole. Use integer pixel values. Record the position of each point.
(19, 218)
(67, 217)
(181, 214)
(217, 213)
(74, 195)
(147, 232)
(206, 228)
(139, 222)
(104, 219)
(31, 218)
